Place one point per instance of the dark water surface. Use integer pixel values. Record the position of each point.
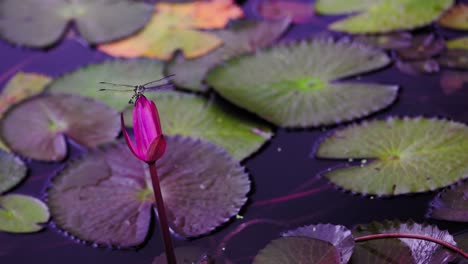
(283, 167)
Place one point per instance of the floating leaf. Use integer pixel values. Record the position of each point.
(105, 197)
(12, 171)
(298, 87)
(298, 12)
(451, 204)
(458, 43)
(454, 58)
(392, 15)
(456, 17)
(422, 47)
(397, 40)
(385, 251)
(85, 80)
(185, 255)
(418, 67)
(298, 250)
(38, 24)
(174, 26)
(331, 7)
(193, 116)
(241, 38)
(22, 214)
(452, 81)
(21, 86)
(408, 155)
(422, 251)
(339, 236)
(36, 128)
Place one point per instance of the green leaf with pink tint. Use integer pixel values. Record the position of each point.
(111, 195)
(22, 214)
(12, 171)
(37, 128)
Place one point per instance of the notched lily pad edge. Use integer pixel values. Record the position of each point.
(443, 190)
(368, 160)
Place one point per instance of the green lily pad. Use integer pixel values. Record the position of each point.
(422, 251)
(22, 214)
(295, 85)
(339, 236)
(36, 128)
(12, 171)
(451, 204)
(335, 7)
(85, 80)
(106, 196)
(186, 255)
(392, 15)
(242, 37)
(37, 24)
(194, 116)
(298, 250)
(408, 155)
(458, 43)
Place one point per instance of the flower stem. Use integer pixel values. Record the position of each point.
(413, 236)
(162, 216)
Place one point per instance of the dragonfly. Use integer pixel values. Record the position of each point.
(139, 89)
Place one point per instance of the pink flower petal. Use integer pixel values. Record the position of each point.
(156, 149)
(130, 144)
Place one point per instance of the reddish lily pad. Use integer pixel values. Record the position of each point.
(22, 214)
(422, 251)
(422, 47)
(454, 58)
(38, 24)
(397, 40)
(85, 80)
(106, 196)
(456, 17)
(12, 171)
(453, 81)
(186, 255)
(297, 91)
(298, 250)
(21, 86)
(298, 12)
(451, 204)
(193, 116)
(339, 236)
(427, 154)
(37, 128)
(241, 37)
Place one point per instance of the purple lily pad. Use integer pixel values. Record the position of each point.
(339, 236)
(106, 196)
(298, 250)
(454, 58)
(187, 255)
(451, 204)
(37, 128)
(297, 11)
(422, 47)
(418, 67)
(12, 171)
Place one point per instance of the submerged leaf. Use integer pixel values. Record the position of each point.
(422, 47)
(298, 12)
(85, 80)
(299, 87)
(12, 171)
(22, 214)
(193, 116)
(397, 40)
(106, 196)
(174, 26)
(418, 67)
(21, 86)
(243, 37)
(454, 58)
(451, 204)
(422, 251)
(408, 155)
(36, 128)
(339, 236)
(38, 24)
(185, 255)
(456, 17)
(392, 15)
(298, 250)
(453, 81)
